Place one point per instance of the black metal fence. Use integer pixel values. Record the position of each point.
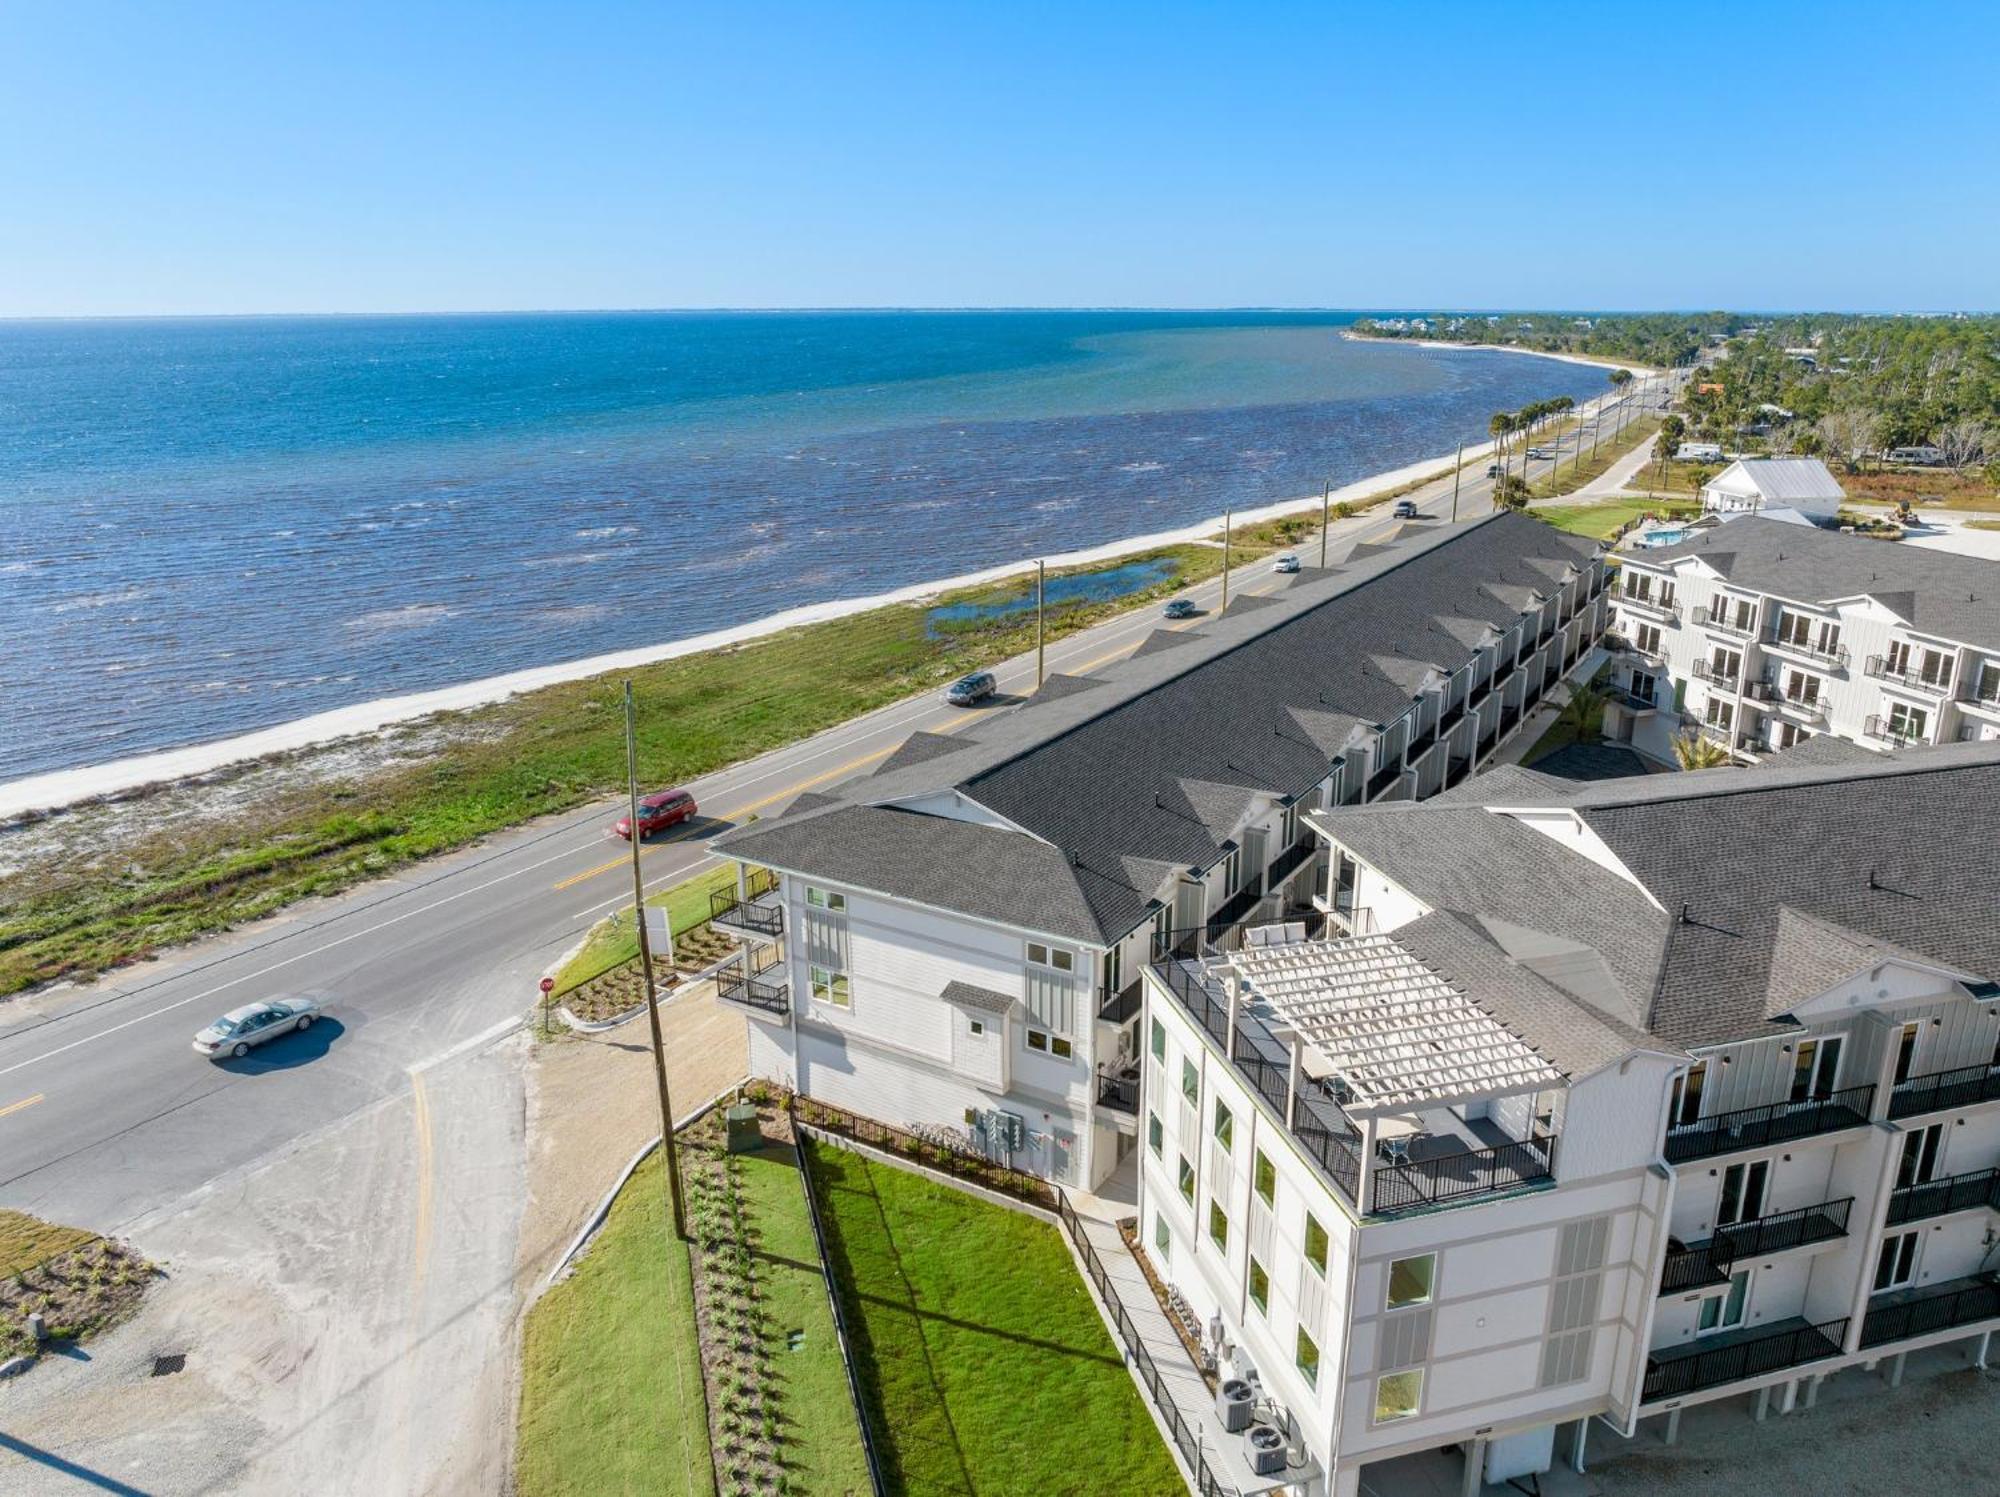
(1942, 1311)
(1784, 1229)
(1743, 1359)
(738, 986)
(1777, 1122)
(1694, 1265)
(1429, 1182)
(1952, 1193)
(1945, 1089)
(871, 1444)
(726, 908)
(939, 1154)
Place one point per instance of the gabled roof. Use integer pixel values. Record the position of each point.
(921, 748)
(1779, 480)
(1954, 597)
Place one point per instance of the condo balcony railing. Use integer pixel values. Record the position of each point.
(1120, 1006)
(1944, 1089)
(1774, 1123)
(1708, 670)
(1728, 623)
(1805, 706)
(1421, 743)
(1119, 1092)
(1899, 1315)
(1936, 682)
(1732, 1360)
(1834, 655)
(761, 915)
(1694, 1265)
(1451, 1177)
(1229, 914)
(1290, 861)
(733, 985)
(1915, 1203)
(1669, 607)
(1901, 734)
(1697, 1265)
(1384, 780)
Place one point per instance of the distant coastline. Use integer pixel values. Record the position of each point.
(1592, 360)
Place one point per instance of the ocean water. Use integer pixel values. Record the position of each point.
(212, 526)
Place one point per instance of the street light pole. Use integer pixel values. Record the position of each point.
(1325, 513)
(1041, 578)
(1227, 516)
(1457, 472)
(646, 968)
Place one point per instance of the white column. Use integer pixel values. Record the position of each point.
(1475, 1468)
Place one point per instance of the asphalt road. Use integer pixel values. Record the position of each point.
(108, 1118)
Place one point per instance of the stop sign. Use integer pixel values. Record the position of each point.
(548, 984)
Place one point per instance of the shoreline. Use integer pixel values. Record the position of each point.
(1591, 360)
(35, 796)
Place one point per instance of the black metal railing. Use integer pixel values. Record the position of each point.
(730, 912)
(1880, 668)
(1420, 745)
(1708, 618)
(1118, 1007)
(1948, 1307)
(733, 985)
(1944, 1089)
(1323, 1132)
(1694, 1265)
(1676, 1376)
(1777, 1122)
(1937, 1197)
(1780, 1230)
(1383, 780)
(1290, 861)
(1120, 1092)
(1886, 730)
(1833, 655)
(1432, 1182)
(1229, 914)
(1670, 607)
(1708, 670)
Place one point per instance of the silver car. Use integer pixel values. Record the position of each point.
(236, 1031)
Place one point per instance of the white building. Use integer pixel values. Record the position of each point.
(1763, 634)
(1755, 483)
(1618, 1098)
(956, 939)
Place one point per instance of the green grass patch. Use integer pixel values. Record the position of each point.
(816, 1423)
(611, 1391)
(1602, 521)
(28, 1240)
(980, 1353)
(615, 941)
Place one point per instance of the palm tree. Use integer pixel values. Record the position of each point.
(1499, 426)
(1583, 713)
(1694, 751)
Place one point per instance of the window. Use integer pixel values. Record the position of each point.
(1053, 957)
(1163, 1237)
(1050, 1044)
(1159, 1039)
(829, 986)
(1789, 734)
(1225, 1126)
(1306, 1357)
(1906, 1052)
(1260, 1288)
(1743, 1191)
(1918, 1163)
(1190, 1081)
(1187, 1181)
(1723, 1312)
(1686, 1105)
(1218, 1227)
(1264, 1179)
(1398, 1395)
(1647, 638)
(1315, 1244)
(825, 899)
(1155, 1134)
(1801, 688)
(1720, 712)
(1725, 665)
(1897, 1262)
(1988, 689)
(1410, 1281)
(1815, 1067)
(1906, 721)
(976, 1028)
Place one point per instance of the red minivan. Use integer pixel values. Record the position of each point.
(658, 812)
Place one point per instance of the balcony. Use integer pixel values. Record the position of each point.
(761, 917)
(1664, 608)
(1937, 683)
(1231, 912)
(762, 996)
(1715, 675)
(1915, 1203)
(1810, 708)
(1630, 700)
(1421, 744)
(1734, 1356)
(1290, 861)
(1698, 1265)
(1709, 619)
(1455, 1172)
(1120, 1093)
(1383, 781)
(1903, 1313)
(1775, 1123)
(1122, 1006)
(1900, 734)
(1943, 1090)
(1834, 656)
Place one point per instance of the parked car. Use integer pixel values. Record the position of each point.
(1181, 608)
(1406, 509)
(235, 1032)
(657, 813)
(1287, 563)
(970, 691)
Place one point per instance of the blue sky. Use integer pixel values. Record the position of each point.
(404, 157)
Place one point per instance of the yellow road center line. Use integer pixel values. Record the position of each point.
(22, 1105)
(426, 1159)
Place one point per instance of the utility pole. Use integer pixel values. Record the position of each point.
(1457, 472)
(1227, 516)
(1325, 518)
(646, 967)
(1041, 578)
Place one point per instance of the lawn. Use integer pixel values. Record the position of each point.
(1602, 521)
(543, 752)
(611, 1391)
(615, 941)
(1572, 475)
(815, 1410)
(981, 1355)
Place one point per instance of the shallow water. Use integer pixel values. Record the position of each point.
(209, 526)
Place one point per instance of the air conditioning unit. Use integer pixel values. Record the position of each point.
(1233, 1402)
(1267, 1450)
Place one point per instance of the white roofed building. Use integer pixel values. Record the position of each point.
(1749, 485)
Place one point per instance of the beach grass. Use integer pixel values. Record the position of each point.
(980, 1356)
(498, 766)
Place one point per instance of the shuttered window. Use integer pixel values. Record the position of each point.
(1574, 1300)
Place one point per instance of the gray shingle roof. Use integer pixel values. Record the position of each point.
(1939, 593)
(966, 995)
(1103, 781)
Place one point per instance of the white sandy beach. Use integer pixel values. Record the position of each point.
(66, 787)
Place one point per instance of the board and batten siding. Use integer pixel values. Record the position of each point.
(1613, 1118)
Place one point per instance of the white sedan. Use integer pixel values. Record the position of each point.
(1287, 563)
(235, 1032)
